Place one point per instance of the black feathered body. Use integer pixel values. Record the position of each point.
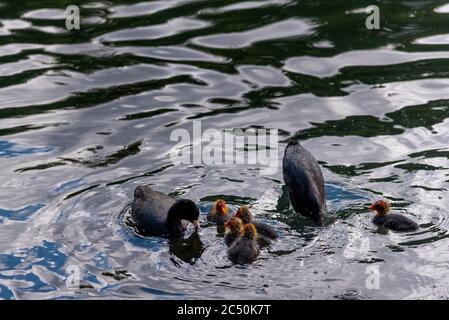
(265, 231)
(395, 222)
(304, 181)
(261, 240)
(150, 212)
(243, 251)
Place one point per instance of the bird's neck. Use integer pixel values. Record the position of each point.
(379, 219)
(174, 223)
(382, 213)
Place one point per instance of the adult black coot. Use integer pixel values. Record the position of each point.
(304, 181)
(155, 213)
(392, 221)
(244, 250)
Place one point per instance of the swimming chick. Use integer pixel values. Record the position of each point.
(244, 249)
(304, 181)
(392, 221)
(155, 213)
(233, 230)
(219, 212)
(263, 230)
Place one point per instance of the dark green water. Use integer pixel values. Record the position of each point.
(86, 116)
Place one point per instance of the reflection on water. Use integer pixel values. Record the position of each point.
(188, 250)
(86, 116)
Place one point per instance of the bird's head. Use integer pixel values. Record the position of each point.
(234, 226)
(249, 232)
(380, 207)
(244, 214)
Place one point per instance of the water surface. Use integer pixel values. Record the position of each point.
(86, 116)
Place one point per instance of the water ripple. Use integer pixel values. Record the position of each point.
(86, 116)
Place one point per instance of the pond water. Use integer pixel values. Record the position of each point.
(86, 115)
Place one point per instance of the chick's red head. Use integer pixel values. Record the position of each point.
(381, 207)
(221, 207)
(235, 225)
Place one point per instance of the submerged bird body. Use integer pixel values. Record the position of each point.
(264, 231)
(219, 213)
(244, 250)
(155, 213)
(304, 181)
(392, 221)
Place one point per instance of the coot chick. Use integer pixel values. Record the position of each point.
(304, 181)
(219, 212)
(263, 230)
(233, 230)
(244, 249)
(157, 214)
(392, 221)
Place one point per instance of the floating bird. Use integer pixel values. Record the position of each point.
(155, 213)
(219, 212)
(392, 221)
(304, 181)
(244, 250)
(233, 230)
(264, 231)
